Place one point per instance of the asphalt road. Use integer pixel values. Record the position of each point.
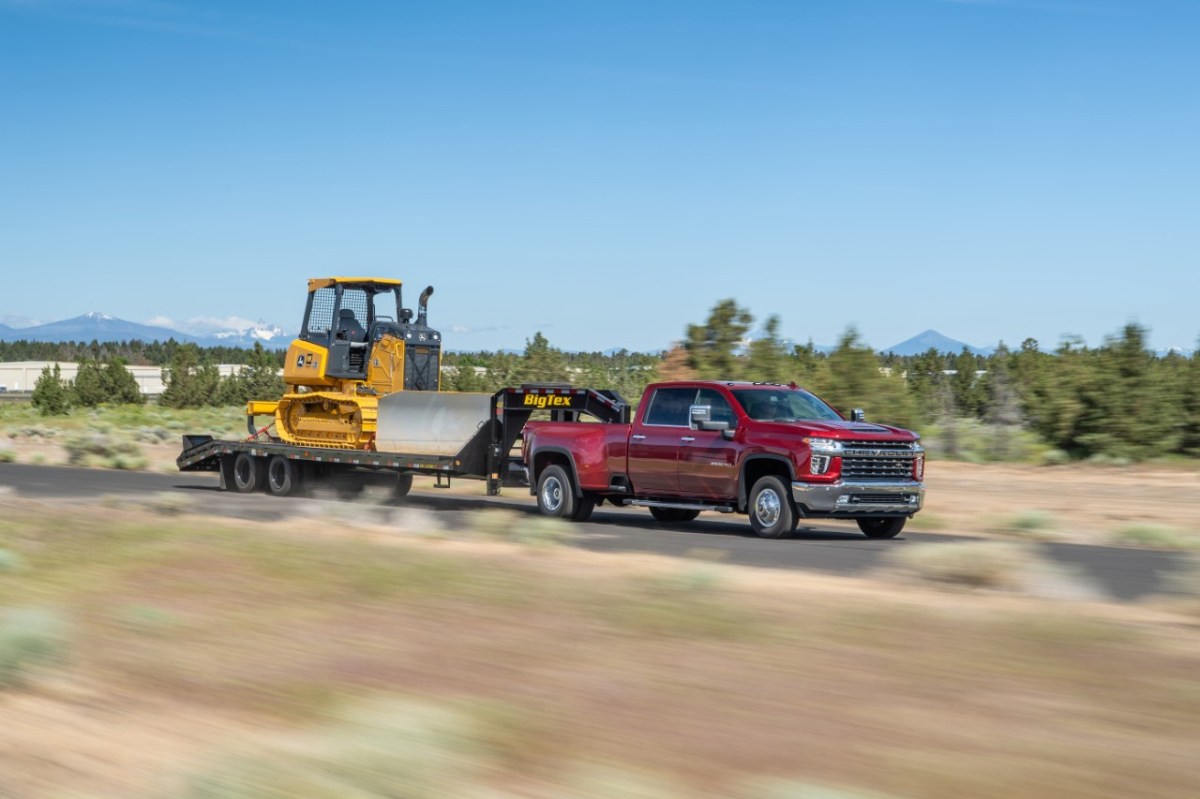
(1121, 573)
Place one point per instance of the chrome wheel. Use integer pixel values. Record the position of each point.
(767, 508)
(552, 494)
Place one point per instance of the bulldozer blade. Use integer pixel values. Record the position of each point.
(430, 422)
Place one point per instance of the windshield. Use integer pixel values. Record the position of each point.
(783, 405)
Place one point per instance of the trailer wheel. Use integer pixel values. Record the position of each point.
(247, 473)
(673, 515)
(771, 511)
(555, 494)
(402, 487)
(882, 528)
(283, 476)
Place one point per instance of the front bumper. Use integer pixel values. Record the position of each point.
(858, 499)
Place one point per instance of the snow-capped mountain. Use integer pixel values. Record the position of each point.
(230, 332)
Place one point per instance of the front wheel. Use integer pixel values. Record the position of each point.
(771, 512)
(882, 528)
(555, 494)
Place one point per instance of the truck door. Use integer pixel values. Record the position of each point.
(708, 462)
(655, 441)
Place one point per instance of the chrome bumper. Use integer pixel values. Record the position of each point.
(859, 498)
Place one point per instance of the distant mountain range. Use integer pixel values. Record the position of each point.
(240, 333)
(102, 327)
(933, 340)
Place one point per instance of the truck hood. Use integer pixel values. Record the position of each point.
(838, 429)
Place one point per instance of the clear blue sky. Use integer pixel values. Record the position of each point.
(606, 171)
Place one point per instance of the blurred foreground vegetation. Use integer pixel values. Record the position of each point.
(1116, 403)
(349, 654)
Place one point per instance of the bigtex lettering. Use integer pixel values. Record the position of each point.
(547, 401)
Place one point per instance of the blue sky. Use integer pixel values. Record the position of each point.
(605, 172)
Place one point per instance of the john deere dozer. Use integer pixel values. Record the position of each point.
(357, 344)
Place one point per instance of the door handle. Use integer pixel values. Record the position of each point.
(638, 437)
(688, 438)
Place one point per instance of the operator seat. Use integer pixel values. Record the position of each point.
(348, 327)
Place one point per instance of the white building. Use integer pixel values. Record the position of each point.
(22, 375)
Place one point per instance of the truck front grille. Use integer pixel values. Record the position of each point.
(877, 460)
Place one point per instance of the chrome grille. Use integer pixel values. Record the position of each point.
(877, 468)
(877, 460)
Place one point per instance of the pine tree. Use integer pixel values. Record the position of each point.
(51, 396)
(712, 347)
(88, 389)
(857, 381)
(120, 385)
(190, 383)
(541, 363)
(767, 360)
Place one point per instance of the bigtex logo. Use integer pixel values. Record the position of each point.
(547, 401)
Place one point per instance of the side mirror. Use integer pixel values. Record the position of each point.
(858, 415)
(700, 418)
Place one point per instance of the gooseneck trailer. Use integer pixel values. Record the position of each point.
(441, 434)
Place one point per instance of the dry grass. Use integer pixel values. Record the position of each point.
(560, 673)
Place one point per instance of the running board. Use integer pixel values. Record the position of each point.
(653, 503)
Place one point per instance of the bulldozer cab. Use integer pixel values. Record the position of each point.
(350, 316)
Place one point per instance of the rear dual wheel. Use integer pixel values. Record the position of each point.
(556, 496)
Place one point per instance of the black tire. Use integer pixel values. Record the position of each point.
(584, 507)
(402, 486)
(887, 527)
(556, 493)
(673, 515)
(772, 514)
(283, 476)
(248, 473)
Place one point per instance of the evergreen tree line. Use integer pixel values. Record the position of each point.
(1116, 400)
(134, 352)
(190, 379)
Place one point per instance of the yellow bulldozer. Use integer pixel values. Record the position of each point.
(357, 343)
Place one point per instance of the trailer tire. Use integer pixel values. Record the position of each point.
(555, 493)
(283, 476)
(402, 487)
(248, 473)
(771, 512)
(882, 528)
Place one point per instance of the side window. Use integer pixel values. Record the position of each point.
(669, 407)
(357, 301)
(320, 318)
(721, 410)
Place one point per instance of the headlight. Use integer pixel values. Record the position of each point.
(824, 446)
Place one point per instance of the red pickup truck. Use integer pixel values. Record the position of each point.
(775, 452)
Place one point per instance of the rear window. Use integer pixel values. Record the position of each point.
(669, 407)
